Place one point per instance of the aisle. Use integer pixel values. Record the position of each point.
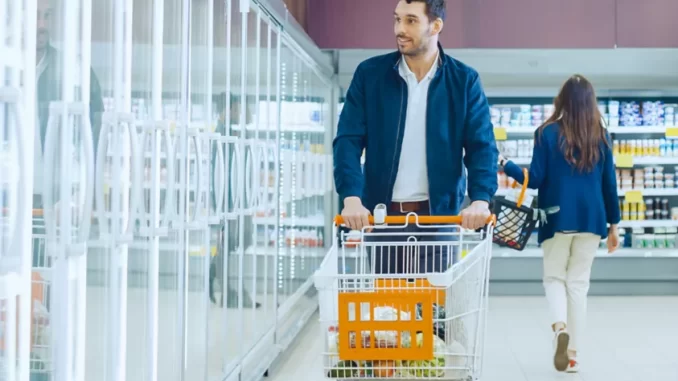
(629, 339)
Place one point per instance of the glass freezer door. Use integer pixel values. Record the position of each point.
(68, 118)
(17, 109)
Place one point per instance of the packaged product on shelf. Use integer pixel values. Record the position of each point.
(671, 115)
(633, 212)
(653, 113)
(548, 111)
(659, 238)
(671, 238)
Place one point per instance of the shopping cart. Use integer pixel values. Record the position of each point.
(411, 325)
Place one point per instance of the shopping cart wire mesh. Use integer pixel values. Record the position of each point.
(414, 324)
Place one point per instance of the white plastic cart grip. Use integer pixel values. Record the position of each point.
(380, 213)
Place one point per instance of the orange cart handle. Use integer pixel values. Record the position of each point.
(424, 220)
(523, 190)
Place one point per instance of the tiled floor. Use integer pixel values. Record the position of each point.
(628, 339)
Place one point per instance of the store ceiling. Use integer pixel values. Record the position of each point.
(540, 72)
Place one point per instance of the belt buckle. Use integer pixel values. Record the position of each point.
(402, 210)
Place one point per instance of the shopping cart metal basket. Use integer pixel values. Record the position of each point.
(516, 220)
(416, 324)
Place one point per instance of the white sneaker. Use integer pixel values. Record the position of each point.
(560, 359)
(572, 366)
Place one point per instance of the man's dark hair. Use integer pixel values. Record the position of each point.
(434, 8)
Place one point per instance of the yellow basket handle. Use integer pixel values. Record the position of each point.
(424, 220)
(523, 190)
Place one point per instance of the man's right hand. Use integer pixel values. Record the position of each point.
(355, 215)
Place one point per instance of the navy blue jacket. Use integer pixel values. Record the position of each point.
(587, 201)
(457, 120)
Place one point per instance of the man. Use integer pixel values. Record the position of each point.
(49, 74)
(420, 115)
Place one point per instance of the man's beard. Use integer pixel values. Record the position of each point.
(416, 49)
(413, 51)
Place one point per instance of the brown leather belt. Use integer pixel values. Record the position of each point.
(408, 207)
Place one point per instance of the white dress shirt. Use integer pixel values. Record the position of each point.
(412, 179)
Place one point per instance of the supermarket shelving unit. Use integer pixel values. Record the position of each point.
(634, 270)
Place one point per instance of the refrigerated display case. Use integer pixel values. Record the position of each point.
(189, 116)
(17, 137)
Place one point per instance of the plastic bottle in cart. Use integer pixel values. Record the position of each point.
(352, 239)
(332, 336)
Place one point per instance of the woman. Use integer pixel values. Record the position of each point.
(573, 168)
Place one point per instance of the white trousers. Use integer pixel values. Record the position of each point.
(567, 272)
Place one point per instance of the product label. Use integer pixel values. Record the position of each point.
(500, 133)
(672, 132)
(624, 161)
(634, 196)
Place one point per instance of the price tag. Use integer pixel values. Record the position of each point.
(500, 133)
(624, 161)
(635, 196)
(672, 132)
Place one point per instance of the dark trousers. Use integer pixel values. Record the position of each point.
(436, 253)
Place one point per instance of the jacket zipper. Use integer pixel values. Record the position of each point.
(428, 96)
(395, 150)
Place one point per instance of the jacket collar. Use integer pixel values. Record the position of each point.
(442, 61)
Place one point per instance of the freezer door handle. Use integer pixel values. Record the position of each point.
(169, 214)
(87, 209)
(137, 185)
(218, 179)
(199, 219)
(100, 210)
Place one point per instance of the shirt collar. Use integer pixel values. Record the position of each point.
(405, 70)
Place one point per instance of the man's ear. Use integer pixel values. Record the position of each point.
(437, 27)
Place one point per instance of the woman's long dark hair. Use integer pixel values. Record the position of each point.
(581, 124)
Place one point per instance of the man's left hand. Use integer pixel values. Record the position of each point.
(475, 216)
